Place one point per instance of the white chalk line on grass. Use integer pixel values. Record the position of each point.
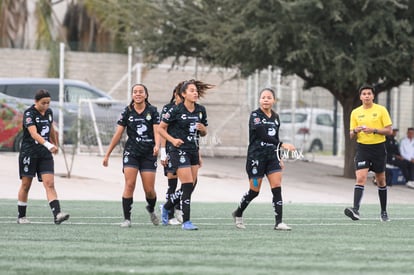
(199, 221)
(220, 218)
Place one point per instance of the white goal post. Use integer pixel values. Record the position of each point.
(96, 124)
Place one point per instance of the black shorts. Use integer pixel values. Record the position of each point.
(169, 168)
(181, 159)
(371, 156)
(258, 168)
(143, 164)
(29, 167)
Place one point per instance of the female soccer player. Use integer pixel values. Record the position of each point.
(174, 217)
(262, 158)
(369, 123)
(141, 121)
(39, 142)
(182, 127)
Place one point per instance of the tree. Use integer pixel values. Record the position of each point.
(13, 14)
(334, 44)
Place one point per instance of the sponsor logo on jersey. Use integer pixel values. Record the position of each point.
(271, 132)
(45, 130)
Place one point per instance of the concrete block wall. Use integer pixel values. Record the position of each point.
(226, 108)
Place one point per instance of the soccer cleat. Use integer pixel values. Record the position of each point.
(125, 224)
(238, 221)
(410, 184)
(173, 221)
(164, 215)
(61, 217)
(384, 216)
(188, 225)
(178, 214)
(352, 213)
(154, 218)
(282, 226)
(23, 220)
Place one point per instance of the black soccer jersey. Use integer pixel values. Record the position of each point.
(263, 134)
(182, 125)
(163, 112)
(44, 124)
(140, 129)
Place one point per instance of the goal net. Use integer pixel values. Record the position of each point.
(96, 124)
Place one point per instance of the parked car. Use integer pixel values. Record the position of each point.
(21, 91)
(309, 129)
(11, 133)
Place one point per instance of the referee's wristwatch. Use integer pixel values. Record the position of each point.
(375, 131)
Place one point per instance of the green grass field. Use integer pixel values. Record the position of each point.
(323, 241)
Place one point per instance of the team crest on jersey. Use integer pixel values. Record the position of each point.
(148, 117)
(182, 159)
(254, 170)
(126, 159)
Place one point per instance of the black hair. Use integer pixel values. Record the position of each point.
(270, 90)
(201, 87)
(366, 86)
(131, 104)
(176, 90)
(42, 93)
(274, 96)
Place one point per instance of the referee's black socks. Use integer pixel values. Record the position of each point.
(358, 193)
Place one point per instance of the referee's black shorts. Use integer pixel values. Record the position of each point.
(371, 156)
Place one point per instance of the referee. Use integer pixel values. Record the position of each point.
(369, 124)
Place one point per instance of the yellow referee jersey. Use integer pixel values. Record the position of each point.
(375, 117)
